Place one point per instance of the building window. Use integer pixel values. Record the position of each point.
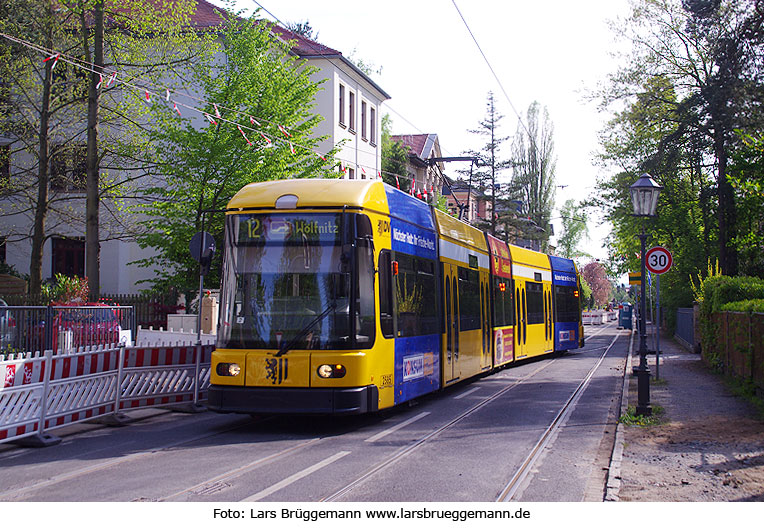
(351, 174)
(373, 125)
(363, 120)
(342, 105)
(2, 250)
(68, 168)
(68, 257)
(351, 111)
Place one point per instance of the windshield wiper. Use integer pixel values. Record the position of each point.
(286, 347)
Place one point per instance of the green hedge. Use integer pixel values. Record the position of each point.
(718, 293)
(722, 289)
(750, 305)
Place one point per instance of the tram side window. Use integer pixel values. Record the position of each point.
(535, 296)
(415, 291)
(469, 299)
(385, 294)
(567, 304)
(503, 305)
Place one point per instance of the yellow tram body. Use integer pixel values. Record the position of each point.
(345, 297)
(466, 343)
(534, 328)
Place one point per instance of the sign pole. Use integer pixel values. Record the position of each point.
(658, 328)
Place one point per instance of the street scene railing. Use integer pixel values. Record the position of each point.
(41, 392)
(63, 328)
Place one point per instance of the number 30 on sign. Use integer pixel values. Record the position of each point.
(658, 260)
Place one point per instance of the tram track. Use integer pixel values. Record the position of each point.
(517, 480)
(521, 475)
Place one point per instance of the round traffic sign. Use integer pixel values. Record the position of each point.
(658, 260)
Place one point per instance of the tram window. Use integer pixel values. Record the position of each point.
(535, 298)
(365, 327)
(503, 309)
(415, 291)
(567, 308)
(469, 299)
(385, 294)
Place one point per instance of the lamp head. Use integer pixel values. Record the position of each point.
(644, 195)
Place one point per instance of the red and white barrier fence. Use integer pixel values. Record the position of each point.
(42, 392)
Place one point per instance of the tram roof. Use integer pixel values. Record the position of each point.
(450, 227)
(312, 193)
(562, 264)
(528, 257)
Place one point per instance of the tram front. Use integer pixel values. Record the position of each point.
(296, 314)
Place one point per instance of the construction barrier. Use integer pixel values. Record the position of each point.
(40, 392)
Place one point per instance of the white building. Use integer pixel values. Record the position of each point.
(348, 100)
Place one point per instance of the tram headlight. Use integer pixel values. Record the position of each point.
(228, 369)
(331, 371)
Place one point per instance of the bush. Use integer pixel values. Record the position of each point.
(750, 305)
(722, 290)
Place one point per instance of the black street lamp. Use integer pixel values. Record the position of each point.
(644, 197)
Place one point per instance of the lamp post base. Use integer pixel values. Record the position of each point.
(643, 392)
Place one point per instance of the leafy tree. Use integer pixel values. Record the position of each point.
(533, 171)
(52, 112)
(200, 168)
(709, 56)
(574, 229)
(36, 117)
(394, 155)
(596, 277)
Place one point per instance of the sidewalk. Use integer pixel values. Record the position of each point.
(707, 446)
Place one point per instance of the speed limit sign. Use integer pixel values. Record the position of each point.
(658, 260)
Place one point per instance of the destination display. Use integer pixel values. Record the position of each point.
(289, 228)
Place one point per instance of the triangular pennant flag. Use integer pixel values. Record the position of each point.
(175, 106)
(148, 97)
(283, 131)
(211, 120)
(253, 121)
(100, 81)
(320, 156)
(397, 182)
(240, 130)
(167, 97)
(266, 139)
(291, 147)
(55, 60)
(217, 112)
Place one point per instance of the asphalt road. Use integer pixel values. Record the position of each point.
(482, 440)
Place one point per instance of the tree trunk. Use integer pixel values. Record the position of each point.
(41, 209)
(92, 238)
(727, 252)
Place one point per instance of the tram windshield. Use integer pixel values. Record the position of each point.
(289, 279)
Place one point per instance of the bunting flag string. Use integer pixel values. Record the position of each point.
(109, 77)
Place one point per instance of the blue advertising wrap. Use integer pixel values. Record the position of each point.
(564, 274)
(417, 366)
(563, 271)
(411, 225)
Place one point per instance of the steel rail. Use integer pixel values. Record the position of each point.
(401, 453)
(520, 475)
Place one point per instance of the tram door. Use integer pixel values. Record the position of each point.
(521, 321)
(450, 353)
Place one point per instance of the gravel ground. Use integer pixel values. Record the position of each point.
(708, 445)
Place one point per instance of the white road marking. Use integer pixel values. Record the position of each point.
(396, 427)
(294, 478)
(466, 393)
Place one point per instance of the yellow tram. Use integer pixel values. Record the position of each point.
(346, 297)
